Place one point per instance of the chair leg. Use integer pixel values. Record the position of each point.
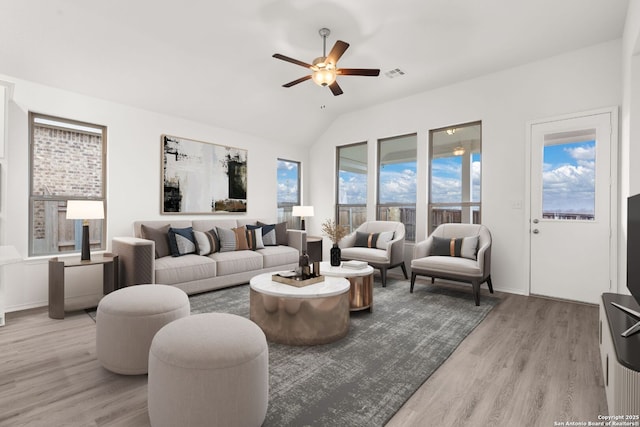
(404, 270)
(489, 284)
(383, 273)
(433, 280)
(413, 282)
(476, 291)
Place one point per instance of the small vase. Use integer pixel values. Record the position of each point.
(335, 254)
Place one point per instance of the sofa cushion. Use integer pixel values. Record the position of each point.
(234, 239)
(160, 236)
(171, 270)
(376, 256)
(373, 240)
(237, 261)
(384, 238)
(207, 242)
(281, 232)
(181, 241)
(274, 256)
(465, 247)
(268, 233)
(254, 238)
(455, 266)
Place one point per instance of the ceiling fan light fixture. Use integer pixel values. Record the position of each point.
(451, 131)
(324, 73)
(458, 151)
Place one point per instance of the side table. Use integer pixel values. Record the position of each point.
(314, 248)
(361, 284)
(56, 278)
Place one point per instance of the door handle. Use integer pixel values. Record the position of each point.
(535, 231)
(535, 221)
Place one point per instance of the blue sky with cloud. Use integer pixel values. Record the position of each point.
(568, 180)
(398, 183)
(446, 182)
(568, 177)
(287, 182)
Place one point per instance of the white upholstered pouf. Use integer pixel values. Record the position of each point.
(128, 319)
(209, 369)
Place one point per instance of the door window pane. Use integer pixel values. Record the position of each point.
(568, 178)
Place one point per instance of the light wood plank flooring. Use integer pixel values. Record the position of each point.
(531, 362)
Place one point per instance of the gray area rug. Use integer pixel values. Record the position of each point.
(363, 379)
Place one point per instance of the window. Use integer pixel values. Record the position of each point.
(67, 162)
(397, 182)
(351, 205)
(288, 191)
(455, 171)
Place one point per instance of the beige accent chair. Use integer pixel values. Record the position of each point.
(457, 268)
(377, 257)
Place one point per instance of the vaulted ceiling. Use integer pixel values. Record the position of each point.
(210, 61)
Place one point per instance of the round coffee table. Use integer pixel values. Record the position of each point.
(361, 284)
(309, 315)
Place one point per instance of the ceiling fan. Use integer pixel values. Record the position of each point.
(325, 68)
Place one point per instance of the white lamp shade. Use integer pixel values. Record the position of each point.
(304, 211)
(85, 209)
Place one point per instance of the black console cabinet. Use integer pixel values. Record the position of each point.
(620, 356)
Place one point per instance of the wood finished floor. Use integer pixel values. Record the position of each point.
(531, 362)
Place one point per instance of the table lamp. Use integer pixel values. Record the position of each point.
(302, 211)
(85, 210)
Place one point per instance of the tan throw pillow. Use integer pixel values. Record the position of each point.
(241, 238)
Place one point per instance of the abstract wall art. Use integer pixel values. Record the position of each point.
(202, 178)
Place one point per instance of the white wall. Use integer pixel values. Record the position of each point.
(133, 172)
(505, 101)
(629, 129)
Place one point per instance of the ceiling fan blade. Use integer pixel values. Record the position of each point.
(335, 88)
(293, 61)
(358, 72)
(295, 82)
(337, 51)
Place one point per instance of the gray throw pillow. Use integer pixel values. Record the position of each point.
(281, 232)
(160, 236)
(465, 247)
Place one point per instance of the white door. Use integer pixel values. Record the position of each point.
(571, 205)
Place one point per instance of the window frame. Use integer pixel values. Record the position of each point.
(463, 204)
(410, 225)
(339, 205)
(33, 198)
(292, 222)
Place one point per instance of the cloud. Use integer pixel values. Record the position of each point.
(584, 152)
(446, 182)
(288, 191)
(353, 188)
(398, 186)
(570, 187)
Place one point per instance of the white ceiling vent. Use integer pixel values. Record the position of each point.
(396, 72)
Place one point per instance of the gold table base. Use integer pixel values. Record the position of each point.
(300, 321)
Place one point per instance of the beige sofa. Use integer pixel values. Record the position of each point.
(197, 273)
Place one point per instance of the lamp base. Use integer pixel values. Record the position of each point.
(302, 227)
(86, 253)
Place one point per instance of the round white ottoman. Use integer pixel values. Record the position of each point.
(208, 369)
(127, 320)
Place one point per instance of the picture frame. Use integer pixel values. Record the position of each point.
(202, 178)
